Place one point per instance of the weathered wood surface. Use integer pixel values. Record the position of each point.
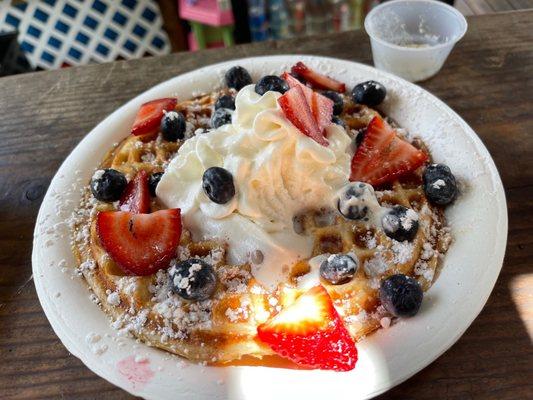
(488, 80)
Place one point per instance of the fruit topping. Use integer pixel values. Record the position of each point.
(338, 269)
(400, 223)
(321, 107)
(297, 110)
(338, 102)
(140, 244)
(401, 295)
(338, 121)
(173, 126)
(149, 116)
(193, 279)
(440, 185)
(153, 181)
(220, 117)
(271, 83)
(136, 197)
(310, 333)
(218, 185)
(356, 201)
(225, 101)
(237, 78)
(317, 80)
(108, 184)
(370, 93)
(383, 156)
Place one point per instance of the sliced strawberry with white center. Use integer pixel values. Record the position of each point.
(297, 110)
(140, 244)
(321, 106)
(316, 79)
(310, 333)
(136, 196)
(149, 116)
(383, 156)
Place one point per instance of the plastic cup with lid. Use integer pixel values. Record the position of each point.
(413, 38)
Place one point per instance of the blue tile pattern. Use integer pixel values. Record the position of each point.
(54, 33)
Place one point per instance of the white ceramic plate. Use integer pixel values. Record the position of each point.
(478, 220)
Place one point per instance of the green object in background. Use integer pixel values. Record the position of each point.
(205, 34)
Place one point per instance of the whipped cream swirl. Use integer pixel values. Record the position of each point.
(278, 172)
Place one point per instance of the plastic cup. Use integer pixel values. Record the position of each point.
(413, 38)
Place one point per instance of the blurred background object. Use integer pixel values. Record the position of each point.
(61, 33)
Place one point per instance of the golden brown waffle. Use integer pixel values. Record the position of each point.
(223, 328)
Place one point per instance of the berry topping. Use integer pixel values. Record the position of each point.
(225, 101)
(108, 184)
(439, 184)
(310, 333)
(153, 181)
(321, 107)
(338, 121)
(338, 269)
(401, 295)
(140, 244)
(370, 93)
(193, 279)
(136, 197)
(149, 117)
(173, 126)
(400, 223)
(297, 110)
(218, 185)
(237, 78)
(317, 80)
(356, 200)
(338, 102)
(271, 83)
(383, 156)
(220, 117)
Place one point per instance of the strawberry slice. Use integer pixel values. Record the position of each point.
(383, 156)
(321, 106)
(149, 116)
(310, 333)
(317, 80)
(136, 196)
(297, 110)
(140, 244)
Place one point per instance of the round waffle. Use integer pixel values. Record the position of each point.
(223, 328)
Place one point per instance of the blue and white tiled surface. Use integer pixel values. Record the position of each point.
(58, 32)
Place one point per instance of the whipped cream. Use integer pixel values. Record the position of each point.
(278, 172)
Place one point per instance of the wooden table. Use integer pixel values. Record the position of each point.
(487, 80)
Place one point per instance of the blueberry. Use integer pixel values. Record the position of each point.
(153, 181)
(401, 295)
(440, 185)
(338, 269)
(338, 121)
(108, 184)
(193, 279)
(356, 200)
(370, 93)
(400, 223)
(271, 82)
(237, 78)
(173, 126)
(225, 101)
(220, 117)
(338, 102)
(218, 185)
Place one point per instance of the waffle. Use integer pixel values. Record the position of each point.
(223, 328)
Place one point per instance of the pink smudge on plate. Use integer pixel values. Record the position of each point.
(138, 373)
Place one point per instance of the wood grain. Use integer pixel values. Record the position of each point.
(487, 80)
